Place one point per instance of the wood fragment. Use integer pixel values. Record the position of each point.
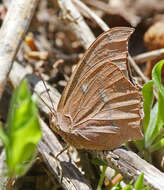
(29, 40)
(38, 55)
(116, 179)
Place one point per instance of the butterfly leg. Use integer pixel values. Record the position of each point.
(60, 171)
(59, 166)
(63, 150)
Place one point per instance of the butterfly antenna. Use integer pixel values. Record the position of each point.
(44, 101)
(52, 109)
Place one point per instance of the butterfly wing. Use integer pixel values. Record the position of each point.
(103, 111)
(100, 108)
(111, 46)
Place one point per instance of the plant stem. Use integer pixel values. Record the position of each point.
(9, 183)
(101, 178)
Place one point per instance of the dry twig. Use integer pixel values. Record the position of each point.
(91, 14)
(76, 22)
(130, 165)
(137, 69)
(149, 56)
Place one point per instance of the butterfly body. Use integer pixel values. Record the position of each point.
(100, 107)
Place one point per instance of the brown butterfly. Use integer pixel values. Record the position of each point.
(101, 107)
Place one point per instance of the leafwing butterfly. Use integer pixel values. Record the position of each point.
(101, 107)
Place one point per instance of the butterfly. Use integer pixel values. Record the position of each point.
(101, 106)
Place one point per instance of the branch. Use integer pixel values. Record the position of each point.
(130, 165)
(91, 14)
(77, 23)
(12, 32)
(149, 56)
(137, 69)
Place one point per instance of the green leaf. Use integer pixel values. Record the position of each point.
(153, 117)
(160, 110)
(20, 96)
(139, 183)
(23, 130)
(3, 137)
(98, 162)
(156, 76)
(116, 187)
(160, 135)
(151, 130)
(147, 188)
(157, 145)
(139, 144)
(24, 150)
(147, 92)
(128, 187)
(157, 114)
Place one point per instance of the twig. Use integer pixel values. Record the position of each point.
(137, 69)
(91, 14)
(78, 24)
(140, 73)
(130, 165)
(12, 32)
(148, 56)
(10, 184)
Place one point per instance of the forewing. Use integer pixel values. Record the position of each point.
(111, 46)
(104, 108)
